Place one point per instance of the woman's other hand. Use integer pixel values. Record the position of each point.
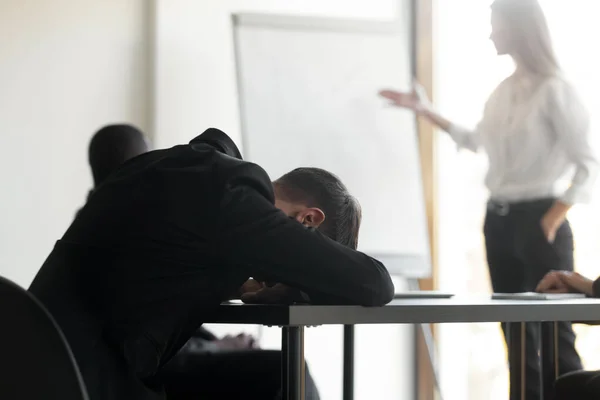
(553, 219)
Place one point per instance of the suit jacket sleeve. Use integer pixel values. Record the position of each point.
(205, 334)
(256, 235)
(596, 288)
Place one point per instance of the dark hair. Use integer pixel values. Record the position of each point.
(111, 146)
(315, 187)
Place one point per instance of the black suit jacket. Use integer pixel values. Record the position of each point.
(163, 242)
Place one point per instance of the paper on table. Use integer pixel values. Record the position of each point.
(235, 301)
(537, 296)
(423, 294)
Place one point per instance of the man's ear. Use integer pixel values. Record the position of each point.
(312, 217)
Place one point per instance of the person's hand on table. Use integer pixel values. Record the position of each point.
(251, 286)
(565, 282)
(275, 294)
(240, 342)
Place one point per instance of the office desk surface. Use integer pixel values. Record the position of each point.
(413, 311)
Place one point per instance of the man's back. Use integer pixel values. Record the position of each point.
(124, 256)
(163, 242)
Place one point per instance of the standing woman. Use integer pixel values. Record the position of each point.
(534, 129)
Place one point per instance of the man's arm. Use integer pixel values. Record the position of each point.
(255, 234)
(596, 288)
(204, 334)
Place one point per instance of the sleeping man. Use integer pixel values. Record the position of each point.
(207, 367)
(175, 232)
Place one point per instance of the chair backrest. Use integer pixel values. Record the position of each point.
(35, 359)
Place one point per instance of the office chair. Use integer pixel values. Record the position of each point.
(36, 362)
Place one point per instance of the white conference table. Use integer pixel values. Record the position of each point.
(294, 318)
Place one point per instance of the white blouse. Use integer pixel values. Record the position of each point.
(533, 131)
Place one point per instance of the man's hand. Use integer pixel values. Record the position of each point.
(276, 294)
(251, 286)
(565, 282)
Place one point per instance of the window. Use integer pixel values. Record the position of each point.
(472, 357)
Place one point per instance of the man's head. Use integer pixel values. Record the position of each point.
(317, 198)
(111, 146)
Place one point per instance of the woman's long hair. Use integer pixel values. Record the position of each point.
(530, 35)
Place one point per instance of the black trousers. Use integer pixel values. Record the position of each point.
(580, 385)
(519, 255)
(247, 375)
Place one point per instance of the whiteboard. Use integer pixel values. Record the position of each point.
(308, 97)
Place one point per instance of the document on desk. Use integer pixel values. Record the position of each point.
(423, 294)
(537, 296)
(235, 301)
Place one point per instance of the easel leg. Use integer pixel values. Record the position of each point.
(425, 331)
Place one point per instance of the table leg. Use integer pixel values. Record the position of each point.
(523, 369)
(555, 346)
(523, 359)
(515, 334)
(293, 368)
(513, 368)
(543, 352)
(348, 362)
(416, 361)
(285, 364)
(508, 335)
(549, 352)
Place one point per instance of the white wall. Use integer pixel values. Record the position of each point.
(66, 68)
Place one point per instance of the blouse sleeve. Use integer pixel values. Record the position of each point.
(464, 138)
(570, 121)
(470, 139)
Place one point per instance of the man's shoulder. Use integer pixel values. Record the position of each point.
(218, 139)
(218, 169)
(235, 172)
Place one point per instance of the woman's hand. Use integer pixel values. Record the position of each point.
(402, 99)
(416, 100)
(565, 282)
(553, 219)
